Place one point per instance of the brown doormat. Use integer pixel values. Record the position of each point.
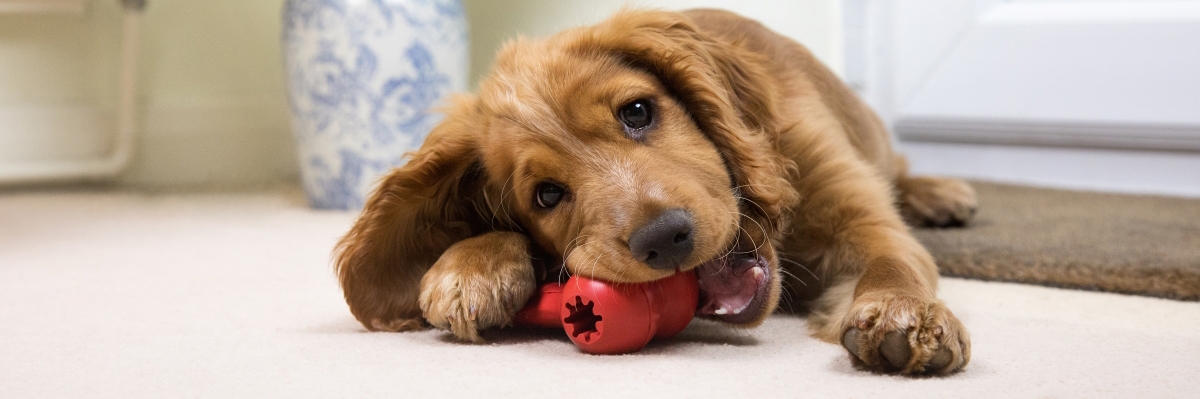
(1130, 244)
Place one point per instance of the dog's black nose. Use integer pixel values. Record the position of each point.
(665, 241)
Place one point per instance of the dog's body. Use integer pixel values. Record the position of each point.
(656, 142)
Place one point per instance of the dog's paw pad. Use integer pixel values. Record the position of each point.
(895, 349)
(850, 341)
(940, 359)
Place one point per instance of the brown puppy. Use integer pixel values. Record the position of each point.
(656, 142)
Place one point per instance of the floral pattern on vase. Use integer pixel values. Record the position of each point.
(363, 77)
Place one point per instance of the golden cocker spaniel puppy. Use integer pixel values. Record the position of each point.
(651, 143)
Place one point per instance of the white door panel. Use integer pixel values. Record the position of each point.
(1122, 74)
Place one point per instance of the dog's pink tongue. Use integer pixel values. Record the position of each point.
(729, 286)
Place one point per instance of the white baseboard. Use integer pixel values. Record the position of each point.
(1078, 134)
(1126, 171)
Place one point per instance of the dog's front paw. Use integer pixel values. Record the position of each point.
(905, 334)
(478, 283)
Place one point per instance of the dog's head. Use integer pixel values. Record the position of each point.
(627, 151)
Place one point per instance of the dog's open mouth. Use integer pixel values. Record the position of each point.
(734, 288)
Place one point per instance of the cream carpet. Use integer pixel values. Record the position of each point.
(231, 295)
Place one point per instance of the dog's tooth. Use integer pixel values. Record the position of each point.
(739, 310)
(758, 272)
(721, 311)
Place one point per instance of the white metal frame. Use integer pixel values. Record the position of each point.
(118, 160)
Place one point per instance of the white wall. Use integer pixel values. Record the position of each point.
(213, 96)
(816, 23)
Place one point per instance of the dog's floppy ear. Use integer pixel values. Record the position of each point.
(725, 89)
(417, 212)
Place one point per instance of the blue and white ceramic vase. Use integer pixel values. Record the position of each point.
(364, 77)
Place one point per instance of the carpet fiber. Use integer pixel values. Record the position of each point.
(116, 295)
(1105, 242)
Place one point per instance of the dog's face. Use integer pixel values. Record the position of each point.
(615, 169)
(592, 153)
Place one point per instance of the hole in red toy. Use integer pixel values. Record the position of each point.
(582, 319)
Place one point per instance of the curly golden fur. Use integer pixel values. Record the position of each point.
(785, 178)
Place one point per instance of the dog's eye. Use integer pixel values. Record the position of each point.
(636, 115)
(548, 195)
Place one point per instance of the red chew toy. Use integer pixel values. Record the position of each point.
(606, 318)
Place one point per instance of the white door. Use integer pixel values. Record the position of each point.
(1066, 74)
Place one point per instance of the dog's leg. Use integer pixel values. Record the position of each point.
(890, 322)
(879, 300)
(479, 282)
(883, 309)
(933, 201)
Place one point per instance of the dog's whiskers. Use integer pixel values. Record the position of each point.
(756, 245)
(786, 286)
(567, 252)
(568, 248)
(497, 207)
(792, 275)
(805, 268)
(737, 193)
(593, 265)
(504, 195)
(785, 296)
(561, 270)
